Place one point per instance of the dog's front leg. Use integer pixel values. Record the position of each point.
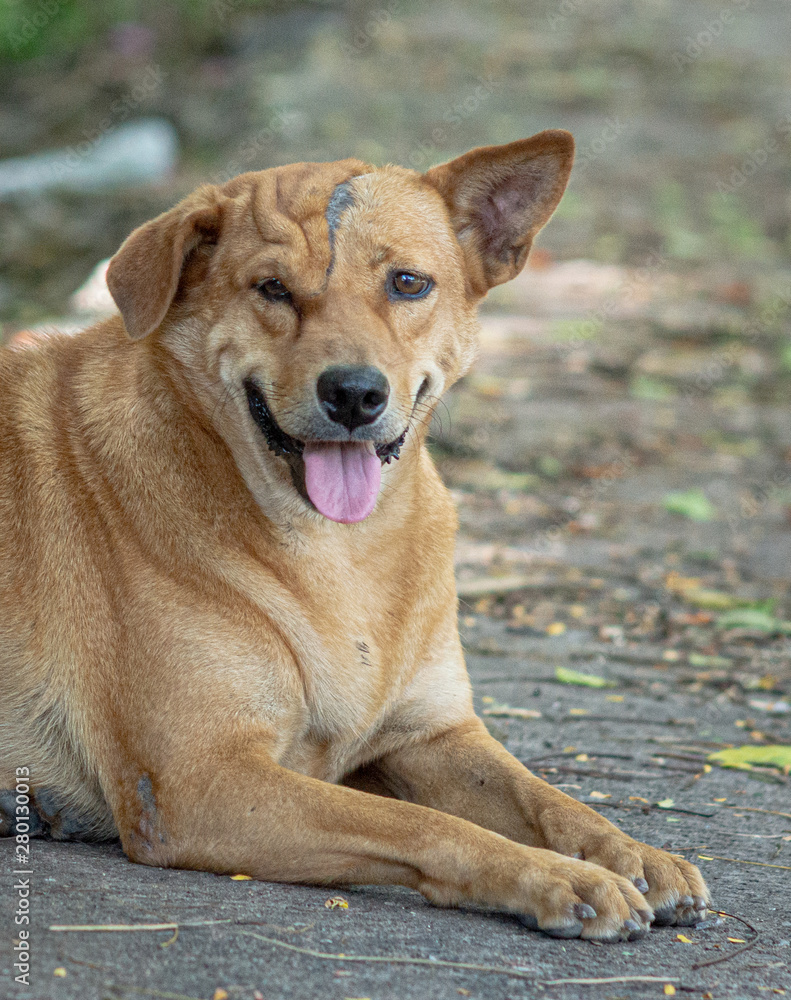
(466, 772)
(253, 817)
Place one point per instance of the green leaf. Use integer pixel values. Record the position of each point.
(757, 619)
(567, 676)
(701, 660)
(693, 504)
(666, 803)
(745, 757)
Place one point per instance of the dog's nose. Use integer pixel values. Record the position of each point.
(353, 395)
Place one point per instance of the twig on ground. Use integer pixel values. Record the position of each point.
(442, 963)
(593, 772)
(149, 992)
(742, 861)
(755, 809)
(649, 806)
(733, 954)
(135, 927)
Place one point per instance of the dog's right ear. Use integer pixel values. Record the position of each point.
(143, 276)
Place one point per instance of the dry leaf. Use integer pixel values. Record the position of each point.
(670, 991)
(336, 903)
(737, 941)
(506, 712)
(220, 994)
(684, 939)
(666, 803)
(578, 711)
(600, 795)
(60, 972)
(582, 757)
(556, 628)
(241, 878)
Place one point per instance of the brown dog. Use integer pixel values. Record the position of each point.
(227, 616)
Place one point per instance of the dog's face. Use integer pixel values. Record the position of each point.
(320, 310)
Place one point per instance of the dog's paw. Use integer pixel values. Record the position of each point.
(571, 899)
(671, 885)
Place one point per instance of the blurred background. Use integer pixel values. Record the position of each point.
(628, 415)
(619, 455)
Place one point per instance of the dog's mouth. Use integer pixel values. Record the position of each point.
(341, 479)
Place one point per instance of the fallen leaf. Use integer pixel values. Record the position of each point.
(582, 757)
(684, 939)
(505, 711)
(704, 857)
(637, 798)
(669, 990)
(720, 800)
(755, 619)
(693, 504)
(487, 700)
(711, 600)
(220, 994)
(567, 676)
(556, 628)
(666, 803)
(578, 711)
(779, 707)
(699, 660)
(241, 878)
(336, 903)
(613, 697)
(744, 757)
(60, 972)
(737, 941)
(600, 795)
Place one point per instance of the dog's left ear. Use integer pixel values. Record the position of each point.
(499, 197)
(143, 276)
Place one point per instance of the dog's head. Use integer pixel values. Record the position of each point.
(320, 310)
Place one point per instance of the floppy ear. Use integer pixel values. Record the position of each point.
(499, 197)
(143, 276)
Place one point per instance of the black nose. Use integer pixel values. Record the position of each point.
(353, 395)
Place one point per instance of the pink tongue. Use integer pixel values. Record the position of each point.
(342, 479)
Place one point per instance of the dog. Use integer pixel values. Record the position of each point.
(227, 601)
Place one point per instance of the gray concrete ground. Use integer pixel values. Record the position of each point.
(561, 460)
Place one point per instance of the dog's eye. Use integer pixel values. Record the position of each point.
(273, 290)
(407, 284)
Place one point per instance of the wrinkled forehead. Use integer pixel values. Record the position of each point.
(392, 215)
(308, 215)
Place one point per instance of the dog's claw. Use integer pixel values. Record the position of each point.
(640, 884)
(583, 911)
